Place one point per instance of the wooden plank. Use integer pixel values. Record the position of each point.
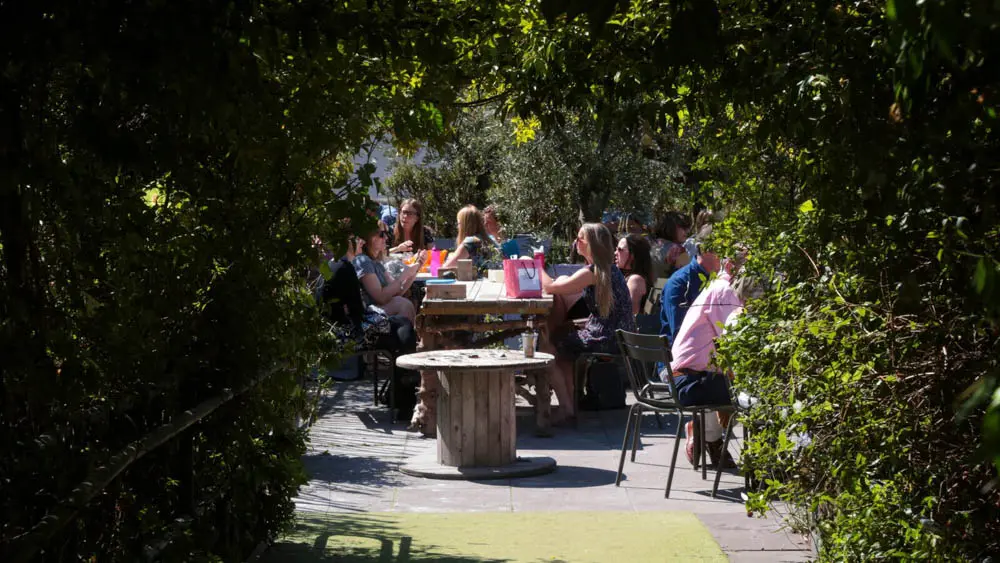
(543, 405)
(468, 418)
(482, 418)
(474, 289)
(478, 326)
(508, 421)
(455, 422)
(495, 406)
(489, 291)
(463, 307)
(445, 455)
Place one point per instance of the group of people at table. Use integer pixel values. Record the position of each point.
(701, 296)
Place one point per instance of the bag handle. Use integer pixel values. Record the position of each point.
(534, 272)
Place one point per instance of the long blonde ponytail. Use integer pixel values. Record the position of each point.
(601, 245)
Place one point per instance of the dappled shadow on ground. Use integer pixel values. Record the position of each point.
(362, 473)
(358, 538)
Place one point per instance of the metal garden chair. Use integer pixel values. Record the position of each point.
(643, 350)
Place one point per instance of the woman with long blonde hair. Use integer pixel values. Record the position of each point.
(472, 242)
(608, 303)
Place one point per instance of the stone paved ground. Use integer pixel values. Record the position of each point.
(355, 454)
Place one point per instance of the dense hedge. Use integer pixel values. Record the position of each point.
(163, 169)
(854, 145)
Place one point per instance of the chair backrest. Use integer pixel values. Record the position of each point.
(643, 350)
(652, 306)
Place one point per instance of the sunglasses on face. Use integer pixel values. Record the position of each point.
(407, 212)
(383, 234)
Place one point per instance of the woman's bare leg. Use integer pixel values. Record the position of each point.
(568, 404)
(401, 306)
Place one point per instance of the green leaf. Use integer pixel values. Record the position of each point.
(807, 206)
(979, 277)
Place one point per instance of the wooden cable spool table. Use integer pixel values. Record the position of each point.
(476, 424)
(440, 317)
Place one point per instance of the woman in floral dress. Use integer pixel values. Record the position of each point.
(608, 303)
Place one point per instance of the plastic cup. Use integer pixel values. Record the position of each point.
(528, 344)
(435, 262)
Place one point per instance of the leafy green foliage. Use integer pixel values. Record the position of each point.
(544, 181)
(849, 142)
(164, 169)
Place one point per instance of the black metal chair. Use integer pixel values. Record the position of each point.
(639, 351)
(372, 364)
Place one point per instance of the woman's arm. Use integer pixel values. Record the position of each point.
(636, 288)
(453, 257)
(572, 284)
(405, 246)
(382, 295)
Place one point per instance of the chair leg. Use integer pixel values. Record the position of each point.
(673, 460)
(370, 359)
(704, 446)
(635, 431)
(628, 429)
(725, 449)
(659, 421)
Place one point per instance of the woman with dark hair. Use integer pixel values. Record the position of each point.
(607, 300)
(667, 251)
(410, 234)
(381, 289)
(632, 258)
(491, 221)
(343, 304)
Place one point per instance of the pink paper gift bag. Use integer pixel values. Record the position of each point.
(523, 277)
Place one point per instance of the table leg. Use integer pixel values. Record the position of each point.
(543, 391)
(425, 413)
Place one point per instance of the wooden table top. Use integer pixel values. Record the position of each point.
(484, 297)
(473, 360)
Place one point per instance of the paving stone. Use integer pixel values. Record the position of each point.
(313, 497)
(769, 556)
(741, 533)
(447, 499)
(355, 453)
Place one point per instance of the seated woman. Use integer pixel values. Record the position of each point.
(472, 242)
(381, 289)
(632, 258)
(370, 326)
(667, 251)
(607, 300)
(410, 234)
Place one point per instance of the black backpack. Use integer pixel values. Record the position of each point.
(603, 384)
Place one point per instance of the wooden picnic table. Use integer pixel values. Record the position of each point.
(476, 424)
(439, 319)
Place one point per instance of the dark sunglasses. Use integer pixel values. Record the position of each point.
(383, 234)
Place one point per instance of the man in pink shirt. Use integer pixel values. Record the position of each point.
(697, 380)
